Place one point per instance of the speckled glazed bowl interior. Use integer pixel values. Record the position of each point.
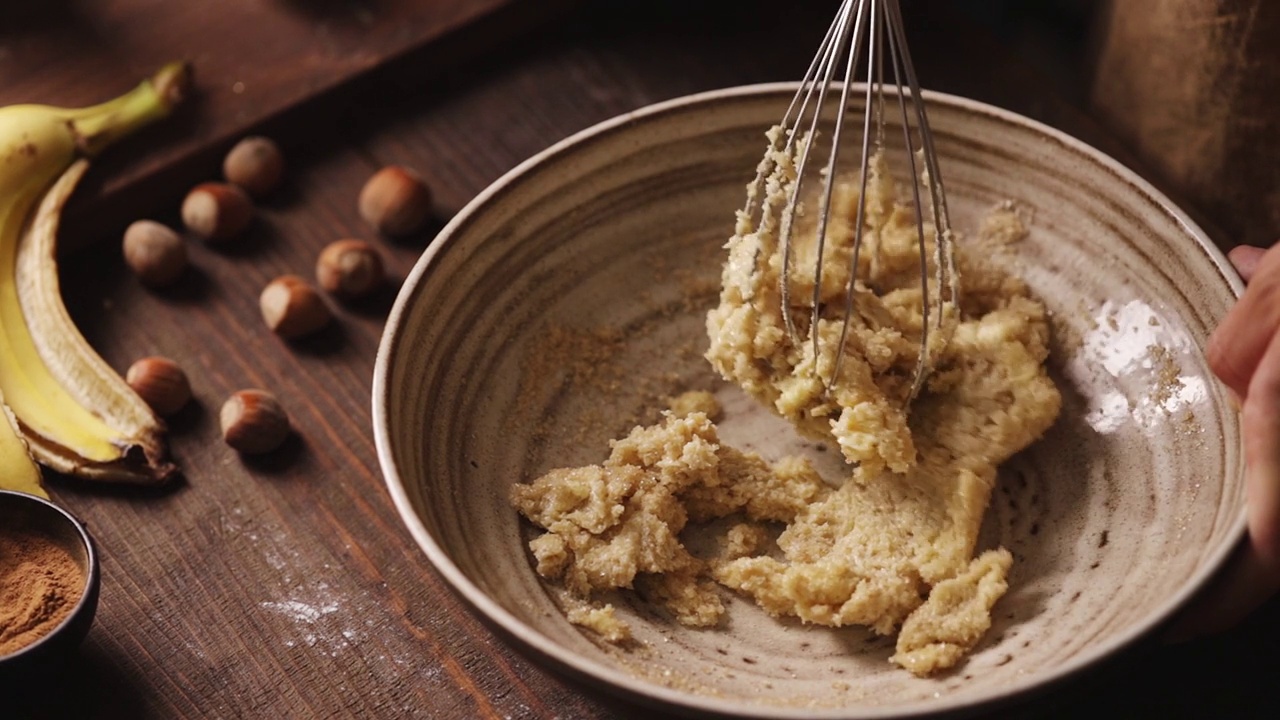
(565, 302)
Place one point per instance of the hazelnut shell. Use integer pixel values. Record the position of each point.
(293, 308)
(255, 164)
(161, 383)
(217, 211)
(154, 253)
(253, 422)
(395, 201)
(350, 268)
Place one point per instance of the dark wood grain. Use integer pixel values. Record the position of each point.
(256, 58)
(264, 65)
(286, 586)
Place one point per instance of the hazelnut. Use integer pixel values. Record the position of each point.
(161, 383)
(255, 164)
(253, 422)
(350, 268)
(395, 201)
(154, 252)
(217, 211)
(292, 308)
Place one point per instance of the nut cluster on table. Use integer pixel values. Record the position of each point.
(395, 202)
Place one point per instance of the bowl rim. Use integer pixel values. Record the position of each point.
(91, 576)
(646, 691)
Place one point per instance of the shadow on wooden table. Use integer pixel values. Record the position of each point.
(102, 689)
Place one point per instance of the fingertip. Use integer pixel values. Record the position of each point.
(1236, 346)
(1264, 537)
(1222, 362)
(1245, 259)
(1261, 421)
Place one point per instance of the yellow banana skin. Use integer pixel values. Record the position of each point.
(76, 414)
(18, 471)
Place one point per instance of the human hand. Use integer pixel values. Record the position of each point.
(1244, 352)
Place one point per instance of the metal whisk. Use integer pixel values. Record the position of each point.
(877, 24)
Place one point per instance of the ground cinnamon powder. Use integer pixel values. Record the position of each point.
(40, 584)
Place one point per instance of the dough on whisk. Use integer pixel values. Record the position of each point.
(892, 547)
(864, 409)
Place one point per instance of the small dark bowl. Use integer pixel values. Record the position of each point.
(23, 510)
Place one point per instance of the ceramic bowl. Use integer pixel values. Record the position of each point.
(567, 300)
(44, 518)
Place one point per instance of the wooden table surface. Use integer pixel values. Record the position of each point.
(287, 587)
(259, 64)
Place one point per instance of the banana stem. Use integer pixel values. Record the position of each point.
(98, 126)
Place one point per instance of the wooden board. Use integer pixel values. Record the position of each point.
(257, 63)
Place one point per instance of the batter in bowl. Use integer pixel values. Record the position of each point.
(892, 546)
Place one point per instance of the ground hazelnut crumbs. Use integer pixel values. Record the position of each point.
(696, 401)
(617, 524)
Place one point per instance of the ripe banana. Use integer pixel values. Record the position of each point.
(18, 471)
(76, 414)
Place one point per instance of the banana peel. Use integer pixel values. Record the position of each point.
(18, 470)
(135, 437)
(69, 410)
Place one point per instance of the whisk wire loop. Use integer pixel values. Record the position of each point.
(824, 214)
(877, 24)
(922, 360)
(826, 63)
